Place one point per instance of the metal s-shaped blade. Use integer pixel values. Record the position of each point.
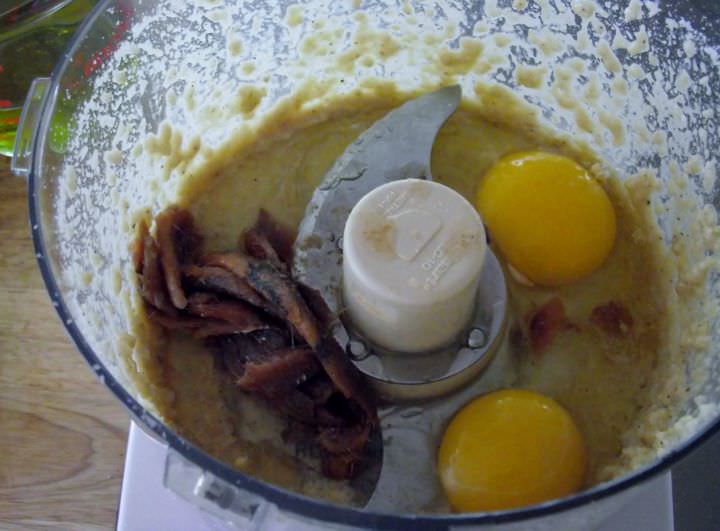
(398, 146)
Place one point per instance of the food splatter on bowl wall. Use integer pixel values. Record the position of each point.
(585, 139)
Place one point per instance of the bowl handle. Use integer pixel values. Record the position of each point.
(28, 126)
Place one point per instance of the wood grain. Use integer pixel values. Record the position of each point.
(62, 434)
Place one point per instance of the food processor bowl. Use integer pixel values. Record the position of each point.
(130, 64)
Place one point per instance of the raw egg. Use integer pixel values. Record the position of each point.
(509, 449)
(552, 221)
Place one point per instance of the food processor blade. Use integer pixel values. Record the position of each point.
(398, 146)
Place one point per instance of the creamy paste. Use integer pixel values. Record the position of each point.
(602, 381)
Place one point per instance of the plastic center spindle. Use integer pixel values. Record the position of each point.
(414, 251)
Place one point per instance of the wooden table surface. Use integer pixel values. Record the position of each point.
(62, 433)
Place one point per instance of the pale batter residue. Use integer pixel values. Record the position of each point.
(273, 119)
(280, 174)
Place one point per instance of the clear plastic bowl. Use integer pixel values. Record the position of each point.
(51, 124)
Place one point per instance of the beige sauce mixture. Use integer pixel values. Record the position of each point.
(601, 380)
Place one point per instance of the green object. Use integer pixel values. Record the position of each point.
(9, 118)
(33, 35)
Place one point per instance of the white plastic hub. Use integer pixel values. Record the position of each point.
(413, 253)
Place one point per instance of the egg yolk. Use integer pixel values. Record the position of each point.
(550, 219)
(508, 449)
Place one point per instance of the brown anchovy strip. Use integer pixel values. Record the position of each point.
(270, 332)
(178, 242)
(242, 315)
(280, 237)
(275, 286)
(258, 246)
(280, 368)
(221, 281)
(153, 285)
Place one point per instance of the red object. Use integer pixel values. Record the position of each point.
(546, 322)
(5, 103)
(13, 120)
(102, 55)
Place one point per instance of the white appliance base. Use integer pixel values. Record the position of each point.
(145, 503)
